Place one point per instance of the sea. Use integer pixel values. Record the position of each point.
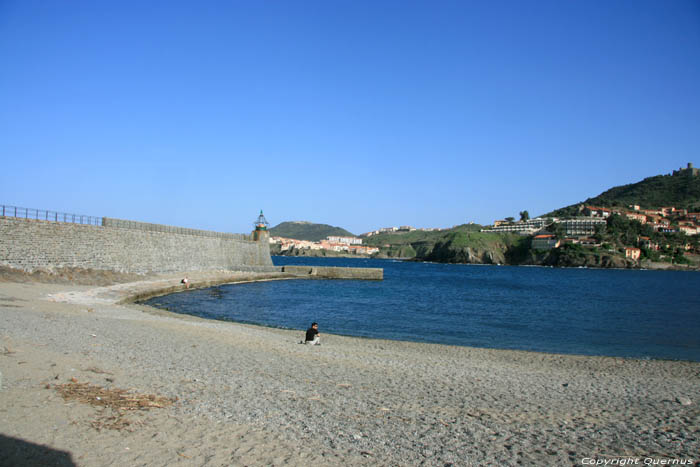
(623, 313)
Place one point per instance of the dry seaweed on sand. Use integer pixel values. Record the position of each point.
(118, 400)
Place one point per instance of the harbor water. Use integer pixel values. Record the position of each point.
(626, 313)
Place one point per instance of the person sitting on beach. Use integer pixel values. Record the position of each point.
(186, 281)
(312, 335)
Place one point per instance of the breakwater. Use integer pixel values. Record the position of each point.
(125, 246)
(325, 272)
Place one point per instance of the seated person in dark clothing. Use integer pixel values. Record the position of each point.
(312, 335)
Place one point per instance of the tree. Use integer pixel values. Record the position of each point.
(599, 235)
(558, 230)
(524, 216)
(510, 219)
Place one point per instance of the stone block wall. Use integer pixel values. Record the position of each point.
(33, 244)
(328, 272)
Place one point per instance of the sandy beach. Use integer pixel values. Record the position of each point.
(246, 395)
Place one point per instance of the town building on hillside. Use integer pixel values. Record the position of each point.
(646, 242)
(688, 229)
(527, 227)
(346, 240)
(289, 243)
(633, 253)
(589, 242)
(657, 222)
(595, 211)
(667, 211)
(406, 228)
(363, 250)
(581, 226)
(652, 212)
(636, 216)
(326, 245)
(545, 242)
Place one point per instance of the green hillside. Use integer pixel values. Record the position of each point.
(301, 230)
(416, 236)
(461, 244)
(681, 191)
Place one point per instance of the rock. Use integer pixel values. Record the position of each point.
(684, 400)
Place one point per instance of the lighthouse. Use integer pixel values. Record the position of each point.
(261, 225)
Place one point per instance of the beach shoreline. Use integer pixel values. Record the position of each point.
(251, 395)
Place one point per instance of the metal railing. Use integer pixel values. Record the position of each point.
(52, 216)
(135, 225)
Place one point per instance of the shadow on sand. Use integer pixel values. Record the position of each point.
(17, 452)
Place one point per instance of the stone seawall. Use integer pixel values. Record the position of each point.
(34, 244)
(336, 273)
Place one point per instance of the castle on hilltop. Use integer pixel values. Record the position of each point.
(690, 171)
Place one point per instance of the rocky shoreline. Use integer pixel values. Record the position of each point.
(247, 395)
(489, 258)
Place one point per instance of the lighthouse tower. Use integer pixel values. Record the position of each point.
(261, 225)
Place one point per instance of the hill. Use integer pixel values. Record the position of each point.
(461, 244)
(302, 230)
(681, 190)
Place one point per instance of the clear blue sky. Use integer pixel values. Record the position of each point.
(361, 114)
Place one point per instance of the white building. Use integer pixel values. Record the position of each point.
(345, 240)
(581, 226)
(527, 227)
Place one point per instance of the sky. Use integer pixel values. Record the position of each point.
(360, 114)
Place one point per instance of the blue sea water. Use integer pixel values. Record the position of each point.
(627, 313)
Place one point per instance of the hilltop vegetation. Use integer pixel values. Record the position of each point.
(301, 230)
(461, 244)
(681, 191)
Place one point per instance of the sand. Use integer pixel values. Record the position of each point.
(247, 395)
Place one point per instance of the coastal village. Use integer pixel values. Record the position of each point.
(351, 245)
(586, 228)
(582, 229)
(577, 230)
